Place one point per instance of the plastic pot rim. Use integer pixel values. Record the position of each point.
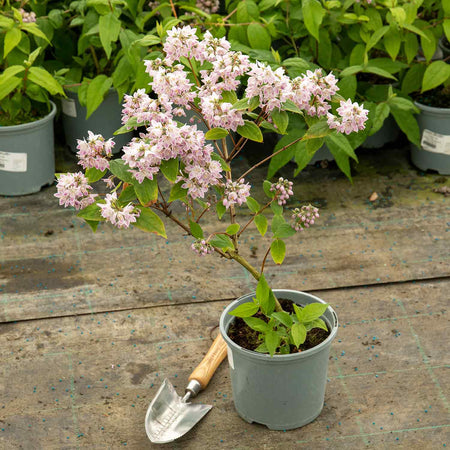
(432, 109)
(28, 126)
(225, 320)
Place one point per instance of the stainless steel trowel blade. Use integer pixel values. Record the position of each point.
(168, 417)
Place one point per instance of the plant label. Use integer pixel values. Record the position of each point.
(435, 142)
(230, 358)
(13, 162)
(68, 107)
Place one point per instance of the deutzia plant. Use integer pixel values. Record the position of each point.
(203, 76)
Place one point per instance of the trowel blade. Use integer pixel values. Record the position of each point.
(168, 417)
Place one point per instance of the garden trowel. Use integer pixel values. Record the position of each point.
(169, 416)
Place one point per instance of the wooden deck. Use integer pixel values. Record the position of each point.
(91, 324)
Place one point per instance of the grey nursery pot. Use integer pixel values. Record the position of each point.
(284, 391)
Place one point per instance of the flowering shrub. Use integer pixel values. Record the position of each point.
(203, 76)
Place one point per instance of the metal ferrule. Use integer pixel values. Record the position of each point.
(193, 387)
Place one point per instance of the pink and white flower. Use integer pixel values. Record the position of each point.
(201, 247)
(236, 192)
(94, 152)
(283, 190)
(73, 190)
(352, 117)
(120, 216)
(304, 217)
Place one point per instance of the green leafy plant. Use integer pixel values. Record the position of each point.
(279, 331)
(25, 85)
(178, 164)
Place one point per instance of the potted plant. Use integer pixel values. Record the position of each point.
(203, 75)
(26, 112)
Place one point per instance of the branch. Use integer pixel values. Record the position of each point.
(269, 157)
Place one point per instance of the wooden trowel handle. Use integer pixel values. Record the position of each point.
(205, 370)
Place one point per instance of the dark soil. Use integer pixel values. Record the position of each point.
(247, 338)
(435, 97)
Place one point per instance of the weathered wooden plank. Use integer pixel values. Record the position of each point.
(52, 264)
(86, 381)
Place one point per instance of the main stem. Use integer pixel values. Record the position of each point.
(257, 275)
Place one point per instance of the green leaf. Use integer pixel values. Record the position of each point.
(93, 224)
(150, 222)
(352, 70)
(262, 293)
(250, 131)
(313, 14)
(169, 169)
(94, 174)
(318, 130)
(408, 124)
(177, 192)
(216, 133)
(223, 164)
(402, 103)
(313, 311)
(342, 160)
(8, 86)
(375, 38)
(382, 111)
(280, 119)
(289, 105)
(12, 39)
(412, 81)
(435, 74)
(278, 251)
(283, 317)
(411, 47)
(44, 79)
(220, 209)
(347, 86)
(221, 241)
(109, 29)
(284, 231)
(428, 44)
(258, 37)
(261, 348)
(272, 341)
(241, 104)
(252, 204)
(298, 333)
(338, 141)
(32, 28)
(257, 324)
(96, 92)
(380, 72)
(276, 208)
(147, 191)
(392, 41)
(233, 229)
(149, 40)
(247, 309)
(318, 323)
(131, 123)
(91, 212)
(261, 224)
(127, 195)
(302, 156)
(196, 229)
(121, 170)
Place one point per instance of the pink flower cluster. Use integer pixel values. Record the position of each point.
(304, 217)
(352, 117)
(209, 6)
(313, 91)
(236, 192)
(94, 152)
(120, 216)
(202, 247)
(272, 88)
(73, 190)
(283, 190)
(219, 113)
(144, 108)
(27, 17)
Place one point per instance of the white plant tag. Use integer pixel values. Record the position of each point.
(13, 162)
(435, 142)
(230, 358)
(68, 107)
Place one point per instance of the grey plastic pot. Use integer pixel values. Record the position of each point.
(27, 156)
(105, 120)
(434, 125)
(284, 391)
(389, 132)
